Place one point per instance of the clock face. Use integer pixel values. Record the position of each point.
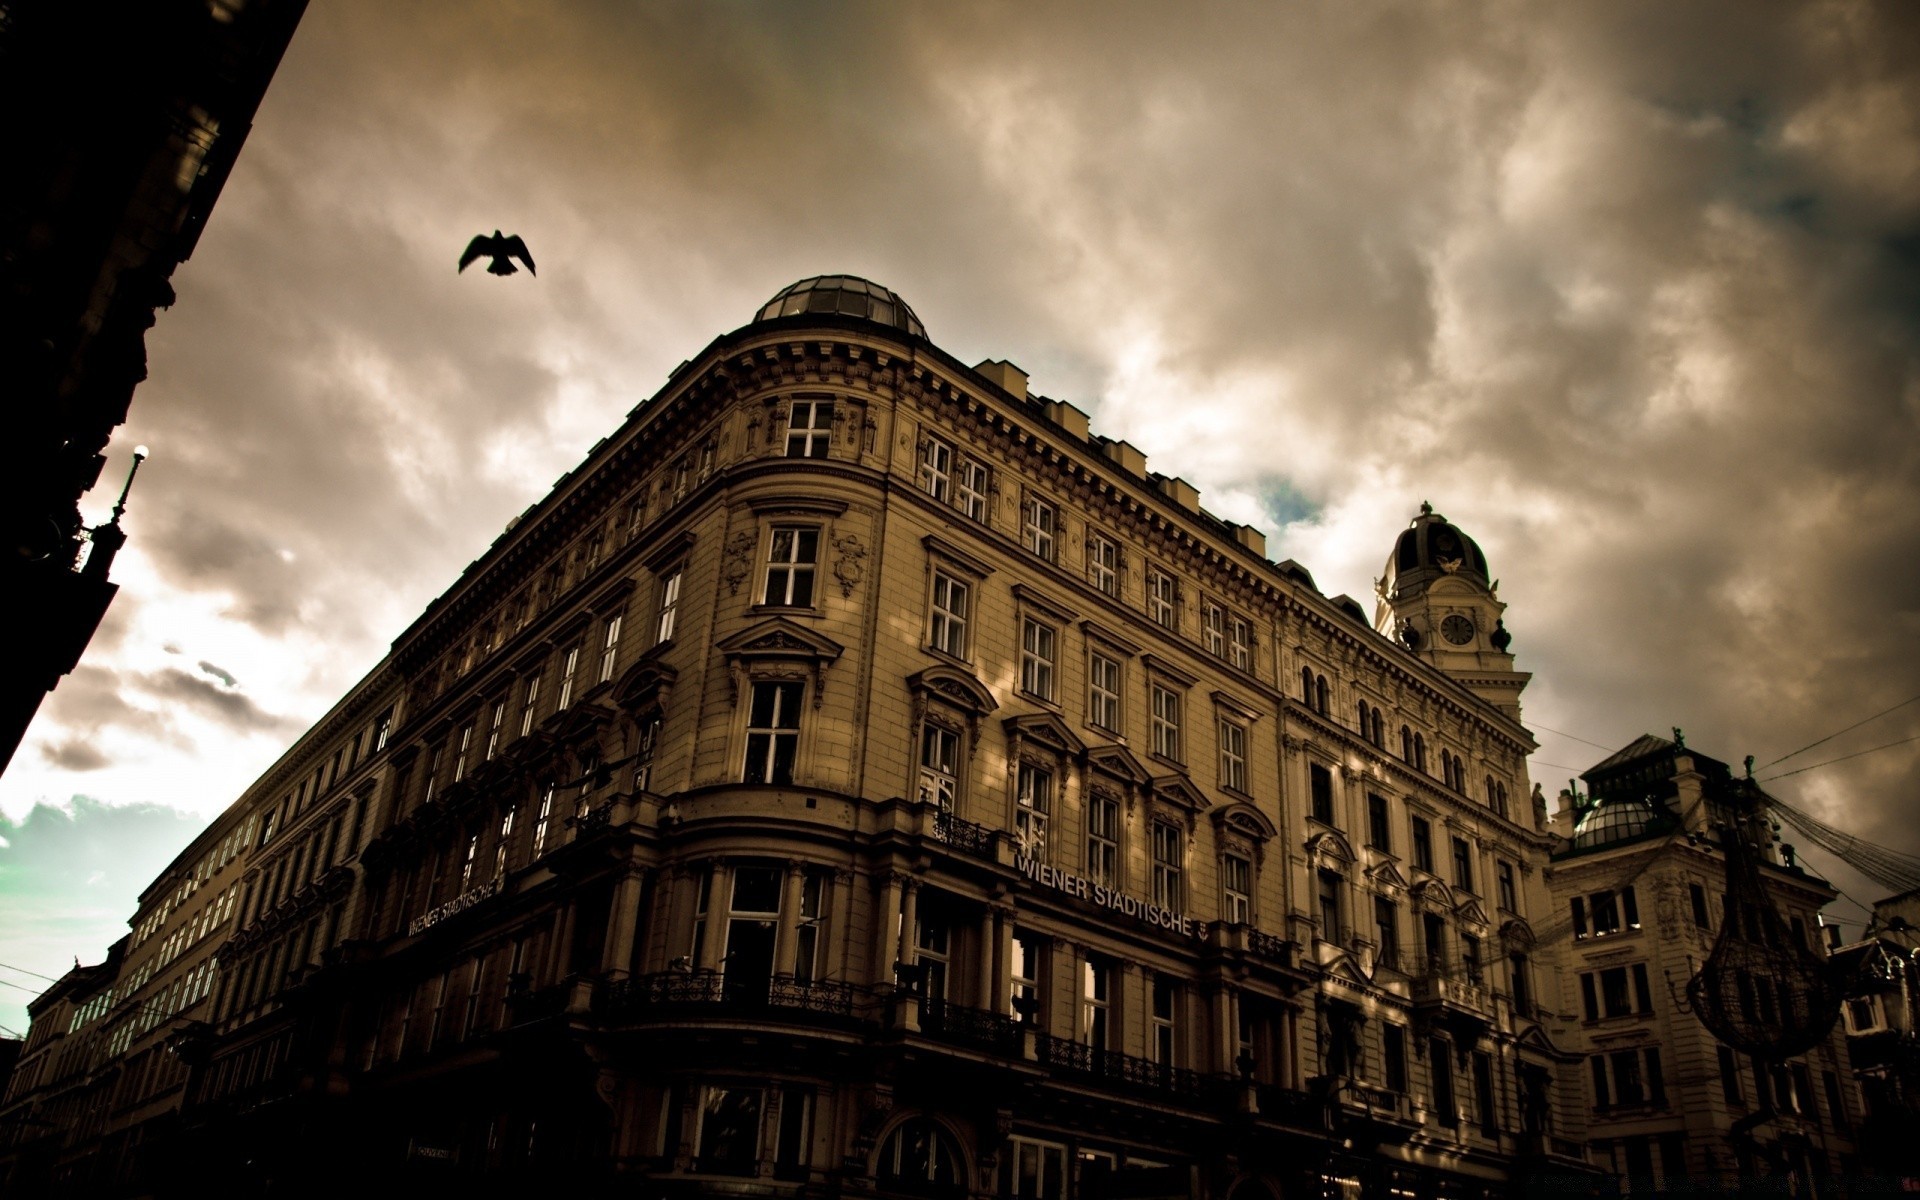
(1457, 629)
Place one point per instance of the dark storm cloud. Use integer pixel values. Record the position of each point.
(94, 699)
(231, 708)
(218, 672)
(1627, 290)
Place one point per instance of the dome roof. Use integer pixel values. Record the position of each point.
(848, 295)
(1617, 820)
(1432, 547)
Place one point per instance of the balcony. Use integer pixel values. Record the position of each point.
(971, 1028)
(647, 996)
(1125, 1072)
(1544, 1146)
(968, 837)
(1450, 997)
(1381, 1114)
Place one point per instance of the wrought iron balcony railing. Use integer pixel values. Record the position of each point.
(973, 1028)
(627, 999)
(969, 837)
(1127, 1072)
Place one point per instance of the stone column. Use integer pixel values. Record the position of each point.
(716, 917)
(616, 956)
(1000, 997)
(840, 933)
(988, 951)
(909, 917)
(1226, 1031)
(885, 931)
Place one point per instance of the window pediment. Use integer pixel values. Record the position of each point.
(954, 556)
(1246, 820)
(1387, 873)
(955, 687)
(1516, 933)
(1330, 844)
(645, 683)
(1179, 790)
(1044, 729)
(778, 647)
(1119, 762)
(1472, 911)
(1042, 605)
(1433, 893)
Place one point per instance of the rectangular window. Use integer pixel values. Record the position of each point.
(1096, 1001)
(936, 468)
(1697, 896)
(503, 847)
(1213, 628)
(1240, 643)
(1167, 858)
(1332, 929)
(1026, 973)
(610, 648)
(1103, 691)
(1440, 1058)
(948, 626)
(1162, 599)
(1483, 1099)
(1730, 1077)
(568, 668)
(1032, 1170)
(1522, 980)
(1233, 755)
(1503, 882)
(1042, 523)
(1033, 799)
(1393, 1046)
(493, 729)
(971, 495)
(460, 758)
(526, 706)
(1470, 959)
(773, 732)
(1103, 564)
(1423, 844)
(790, 562)
(729, 1134)
(1836, 1101)
(1036, 658)
(1236, 889)
(382, 729)
(668, 607)
(1320, 792)
(1379, 828)
(1166, 995)
(1386, 926)
(1462, 864)
(1166, 722)
(939, 772)
(1103, 841)
(809, 428)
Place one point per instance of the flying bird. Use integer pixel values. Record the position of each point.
(502, 250)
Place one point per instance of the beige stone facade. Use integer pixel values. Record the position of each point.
(859, 777)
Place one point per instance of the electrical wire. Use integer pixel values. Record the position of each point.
(1844, 757)
(1849, 729)
(1888, 868)
(1576, 737)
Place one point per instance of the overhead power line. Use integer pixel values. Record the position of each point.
(1844, 757)
(1888, 868)
(1849, 729)
(1576, 737)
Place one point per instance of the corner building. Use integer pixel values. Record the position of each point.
(858, 778)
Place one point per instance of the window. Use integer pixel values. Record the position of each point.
(1026, 972)
(1522, 978)
(1609, 912)
(1624, 1078)
(948, 631)
(790, 563)
(382, 729)
(567, 670)
(1240, 643)
(1393, 1047)
(1036, 658)
(1167, 857)
(1462, 864)
(1331, 927)
(505, 844)
(729, 1130)
(773, 732)
(809, 428)
(1470, 959)
(1440, 1058)
(1162, 598)
(460, 758)
(1042, 522)
(1236, 889)
(1496, 797)
(1033, 799)
(1166, 722)
(466, 861)
(493, 729)
(1213, 628)
(1386, 925)
(526, 706)
(1103, 563)
(1423, 844)
(706, 459)
(972, 492)
(668, 607)
(1433, 934)
(936, 468)
(1488, 1112)
(1509, 895)
(939, 756)
(1103, 840)
(1616, 991)
(1103, 691)
(1379, 828)
(1164, 1044)
(1096, 1001)
(1730, 1077)
(610, 648)
(1030, 1168)
(918, 1153)
(1697, 897)
(1320, 789)
(1233, 755)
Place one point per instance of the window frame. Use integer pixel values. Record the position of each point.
(793, 568)
(1040, 527)
(1235, 739)
(1103, 564)
(1163, 598)
(1039, 658)
(949, 631)
(1166, 716)
(773, 734)
(1106, 708)
(934, 472)
(813, 435)
(1168, 875)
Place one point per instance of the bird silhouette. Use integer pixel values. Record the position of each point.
(502, 250)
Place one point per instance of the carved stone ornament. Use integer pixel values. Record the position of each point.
(850, 562)
(739, 560)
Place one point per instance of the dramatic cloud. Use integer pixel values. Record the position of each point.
(1630, 291)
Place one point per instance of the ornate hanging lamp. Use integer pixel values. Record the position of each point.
(1761, 991)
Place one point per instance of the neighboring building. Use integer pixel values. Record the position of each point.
(858, 777)
(52, 1114)
(123, 121)
(1883, 1031)
(1639, 884)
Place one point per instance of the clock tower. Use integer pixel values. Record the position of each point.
(1437, 601)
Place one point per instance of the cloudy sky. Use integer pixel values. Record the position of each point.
(1632, 294)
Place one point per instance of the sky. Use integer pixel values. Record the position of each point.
(1630, 292)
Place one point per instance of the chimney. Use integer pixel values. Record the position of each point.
(1069, 418)
(1251, 538)
(1181, 492)
(1009, 378)
(1126, 457)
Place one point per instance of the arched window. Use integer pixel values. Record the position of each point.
(1306, 686)
(919, 1155)
(1379, 730)
(1406, 744)
(1419, 752)
(1320, 695)
(1362, 709)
